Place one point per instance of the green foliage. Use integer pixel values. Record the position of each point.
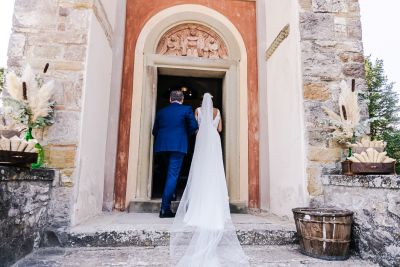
(393, 146)
(383, 107)
(383, 101)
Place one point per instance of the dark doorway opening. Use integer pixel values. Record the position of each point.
(193, 89)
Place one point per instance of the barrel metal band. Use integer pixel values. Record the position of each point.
(329, 222)
(326, 240)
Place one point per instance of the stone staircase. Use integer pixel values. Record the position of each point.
(141, 239)
(147, 229)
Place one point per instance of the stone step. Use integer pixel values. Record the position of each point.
(147, 229)
(153, 206)
(287, 255)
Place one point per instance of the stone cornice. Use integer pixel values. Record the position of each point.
(11, 173)
(369, 181)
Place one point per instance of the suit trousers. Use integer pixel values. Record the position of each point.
(173, 162)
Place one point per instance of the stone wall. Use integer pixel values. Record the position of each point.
(24, 201)
(58, 32)
(331, 51)
(55, 32)
(375, 201)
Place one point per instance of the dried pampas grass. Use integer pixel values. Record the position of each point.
(30, 101)
(349, 109)
(29, 78)
(348, 118)
(14, 86)
(40, 105)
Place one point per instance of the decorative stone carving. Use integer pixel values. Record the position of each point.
(192, 40)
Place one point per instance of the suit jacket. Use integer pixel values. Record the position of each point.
(172, 127)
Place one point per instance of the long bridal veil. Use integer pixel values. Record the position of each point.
(202, 233)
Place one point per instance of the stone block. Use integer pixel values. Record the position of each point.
(305, 4)
(57, 64)
(324, 154)
(315, 116)
(16, 45)
(60, 156)
(64, 37)
(37, 15)
(394, 203)
(73, 96)
(329, 6)
(316, 26)
(316, 91)
(318, 137)
(354, 7)
(350, 46)
(354, 70)
(314, 184)
(321, 64)
(60, 207)
(77, 20)
(347, 57)
(340, 28)
(66, 177)
(354, 28)
(45, 51)
(65, 130)
(75, 53)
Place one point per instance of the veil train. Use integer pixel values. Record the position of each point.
(202, 233)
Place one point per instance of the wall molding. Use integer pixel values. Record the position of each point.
(102, 18)
(283, 34)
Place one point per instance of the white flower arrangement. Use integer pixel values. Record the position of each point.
(29, 101)
(347, 123)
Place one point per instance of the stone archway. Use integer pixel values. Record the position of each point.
(232, 66)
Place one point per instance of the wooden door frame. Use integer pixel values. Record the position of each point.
(140, 173)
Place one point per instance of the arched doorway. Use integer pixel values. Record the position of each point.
(224, 58)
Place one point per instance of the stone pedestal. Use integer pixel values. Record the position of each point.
(375, 200)
(24, 197)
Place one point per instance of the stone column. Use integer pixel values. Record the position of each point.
(332, 51)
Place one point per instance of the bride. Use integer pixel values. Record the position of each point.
(202, 233)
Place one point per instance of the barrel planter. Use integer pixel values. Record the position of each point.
(324, 233)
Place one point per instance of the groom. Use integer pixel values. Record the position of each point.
(172, 127)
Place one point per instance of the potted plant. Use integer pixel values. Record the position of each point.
(29, 103)
(364, 156)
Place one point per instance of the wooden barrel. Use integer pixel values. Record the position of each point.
(324, 233)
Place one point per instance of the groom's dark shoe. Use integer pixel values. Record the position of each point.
(166, 214)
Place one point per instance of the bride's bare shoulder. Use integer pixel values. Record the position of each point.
(215, 111)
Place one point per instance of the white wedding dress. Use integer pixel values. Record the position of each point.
(202, 234)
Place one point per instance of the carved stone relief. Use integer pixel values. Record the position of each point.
(192, 40)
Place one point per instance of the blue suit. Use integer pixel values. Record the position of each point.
(172, 127)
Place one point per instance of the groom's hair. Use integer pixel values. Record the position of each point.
(176, 95)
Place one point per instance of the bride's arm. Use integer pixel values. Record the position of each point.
(220, 122)
(196, 115)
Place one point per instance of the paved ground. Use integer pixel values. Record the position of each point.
(281, 256)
